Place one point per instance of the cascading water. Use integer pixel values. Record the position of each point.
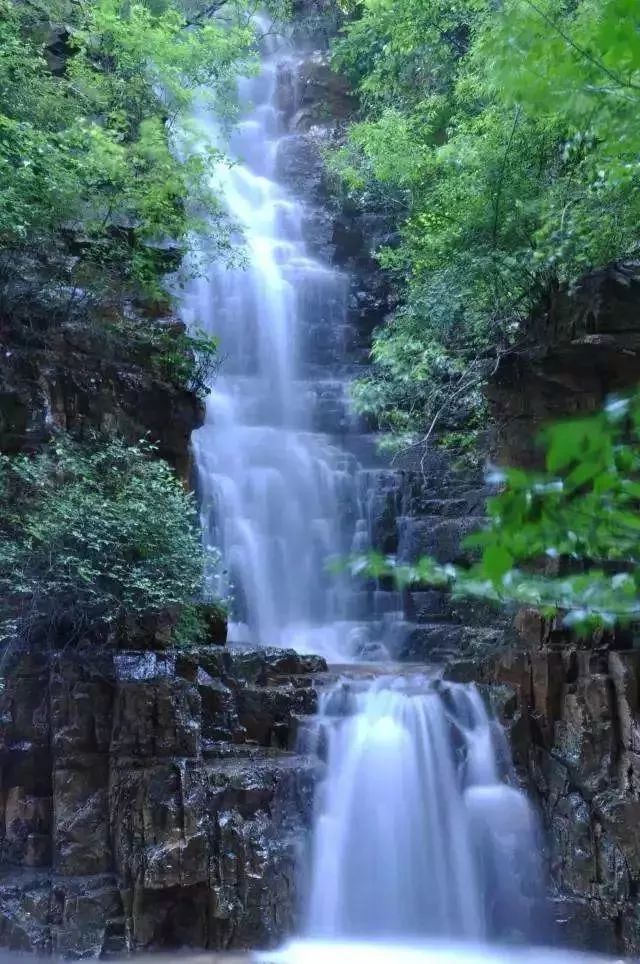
(416, 832)
(273, 492)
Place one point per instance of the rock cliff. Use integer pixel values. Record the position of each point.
(149, 799)
(575, 721)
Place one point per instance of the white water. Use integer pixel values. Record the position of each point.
(417, 834)
(274, 493)
(309, 952)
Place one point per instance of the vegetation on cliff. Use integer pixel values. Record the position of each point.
(506, 136)
(565, 540)
(86, 156)
(105, 187)
(91, 532)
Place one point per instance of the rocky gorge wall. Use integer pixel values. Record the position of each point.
(575, 708)
(149, 799)
(574, 719)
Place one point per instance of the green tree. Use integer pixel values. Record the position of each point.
(505, 136)
(91, 532)
(86, 158)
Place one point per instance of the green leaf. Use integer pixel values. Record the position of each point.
(496, 561)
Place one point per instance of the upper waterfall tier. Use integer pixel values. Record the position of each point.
(277, 497)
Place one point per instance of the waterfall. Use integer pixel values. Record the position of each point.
(416, 831)
(274, 492)
(419, 829)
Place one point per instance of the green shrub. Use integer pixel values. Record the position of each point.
(91, 532)
(200, 623)
(191, 359)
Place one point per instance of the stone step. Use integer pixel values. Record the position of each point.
(434, 605)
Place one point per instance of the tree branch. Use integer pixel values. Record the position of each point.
(498, 195)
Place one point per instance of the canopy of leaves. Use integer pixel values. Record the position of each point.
(506, 135)
(564, 540)
(91, 531)
(85, 154)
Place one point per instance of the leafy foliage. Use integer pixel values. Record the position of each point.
(85, 156)
(189, 359)
(563, 540)
(90, 532)
(506, 137)
(105, 180)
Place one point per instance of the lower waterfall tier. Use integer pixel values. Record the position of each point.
(420, 829)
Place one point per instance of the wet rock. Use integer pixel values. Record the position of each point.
(415, 642)
(322, 96)
(576, 923)
(152, 805)
(582, 345)
(577, 740)
(81, 844)
(215, 620)
(67, 376)
(220, 719)
(87, 918)
(159, 717)
(439, 538)
(269, 664)
(380, 492)
(300, 166)
(27, 828)
(25, 905)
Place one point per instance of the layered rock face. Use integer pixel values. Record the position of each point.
(428, 509)
(64, 372)
(149, 799)
(575, 719)
(581, 346)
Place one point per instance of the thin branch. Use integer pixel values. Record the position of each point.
(465, 383)
(209, 11)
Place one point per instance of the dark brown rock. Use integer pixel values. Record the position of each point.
(582, 345)
(68, 378)
(145, 800)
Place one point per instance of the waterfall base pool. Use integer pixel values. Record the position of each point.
(323, 952)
